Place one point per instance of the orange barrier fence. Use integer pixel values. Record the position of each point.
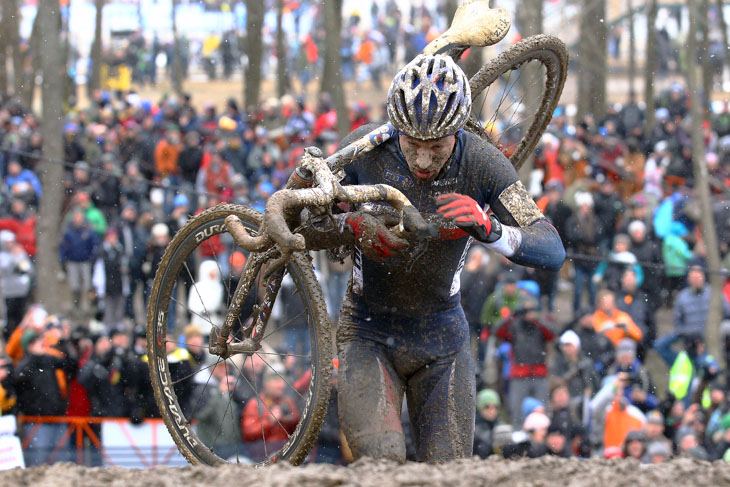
(98, 441)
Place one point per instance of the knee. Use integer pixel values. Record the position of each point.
(386, 445)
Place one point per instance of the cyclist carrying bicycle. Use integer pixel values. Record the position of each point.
(402, 330)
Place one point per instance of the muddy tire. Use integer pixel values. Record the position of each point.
(181, 408)
(551, 54)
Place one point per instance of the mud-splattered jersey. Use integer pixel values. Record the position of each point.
(431, 283)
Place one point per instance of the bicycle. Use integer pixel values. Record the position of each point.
(244, 341)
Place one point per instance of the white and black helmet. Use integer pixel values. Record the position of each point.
(429, 98)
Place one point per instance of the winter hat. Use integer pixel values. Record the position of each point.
(570, 337)
(654, 417)
(529, 404)
(487, 397)
(658, 449)
(180, 200)
(626, 345)
(536, 421)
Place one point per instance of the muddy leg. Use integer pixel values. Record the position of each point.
(441, 405)
(369, 402)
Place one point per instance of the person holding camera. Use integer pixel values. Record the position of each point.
(633, 377)
(613, 322)
(529, 336)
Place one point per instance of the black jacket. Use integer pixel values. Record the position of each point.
(38, 387)
(103, 378)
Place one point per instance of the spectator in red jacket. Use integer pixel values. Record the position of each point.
(529, 337)
(273, 413)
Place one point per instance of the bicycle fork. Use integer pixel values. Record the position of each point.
(220, 339)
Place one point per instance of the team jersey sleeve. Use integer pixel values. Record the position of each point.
(527, 237)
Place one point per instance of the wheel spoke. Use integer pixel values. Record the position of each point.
(190, 310)
(205, 310)
(193, 374)
(258, 397)
(205, 387)
(282, 377)
(286, 324)
(228, 406)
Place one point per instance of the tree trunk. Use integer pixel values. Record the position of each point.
(49, 19)
(651, 64)
(28, 91)
(332, 75)
(69, 84)
(4, 46)
(176, 57)
(94, 79)
(14, 44)
(282, 72)
(723, 30)
(530, 20)
(702, 188)
(632, 48)
(592, 59)
(254, 22)
(704, 24)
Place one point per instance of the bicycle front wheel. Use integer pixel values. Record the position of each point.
(516, 93)
(258, 407)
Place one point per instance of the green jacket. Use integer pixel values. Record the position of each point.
(676, 254)
(496, 304)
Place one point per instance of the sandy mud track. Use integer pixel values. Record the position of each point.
(547, 472)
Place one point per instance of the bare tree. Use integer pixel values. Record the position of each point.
(254, 47)
(13, 35)
(28, 86)
(632, 48)
(4, 47)
(723, 30)
(651, 64)
(49, 19)
(530, 20)
(592, 59)
(704, 25)
(94, 81)
(176, 56)
(282, 73)
(702, 187)
(332, 73)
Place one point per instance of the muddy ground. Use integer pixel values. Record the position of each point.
(547, 471)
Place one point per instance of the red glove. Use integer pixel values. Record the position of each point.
(373, 237)
(466, 214)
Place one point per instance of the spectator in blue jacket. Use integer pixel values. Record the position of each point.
(23, 183)
(77, 251)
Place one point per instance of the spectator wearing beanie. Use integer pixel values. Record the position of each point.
(594, 345)
(573, 367)
(638, 387)
(657, 452)
(487, 418)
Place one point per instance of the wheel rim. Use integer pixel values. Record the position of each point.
(180, 409)
(503, 111)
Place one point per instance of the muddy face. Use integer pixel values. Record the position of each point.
(425, 158)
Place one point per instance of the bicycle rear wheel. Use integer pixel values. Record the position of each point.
(520, 89)
(203, 402)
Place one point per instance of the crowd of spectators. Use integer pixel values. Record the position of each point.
(557, 376)
(622, 369)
